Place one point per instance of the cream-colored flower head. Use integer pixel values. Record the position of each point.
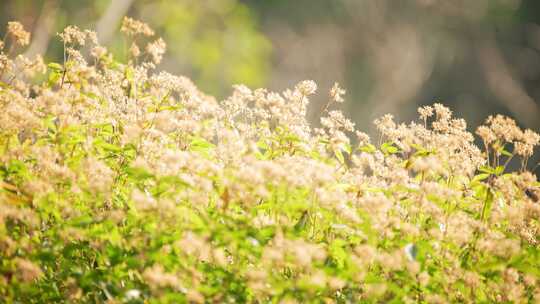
(336, 93)
(17, 32)
(132, 27)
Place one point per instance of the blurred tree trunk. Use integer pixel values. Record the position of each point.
(41, 35)
(106, 26)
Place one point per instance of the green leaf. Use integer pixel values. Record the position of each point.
(388, 148)
(348, 148)
(488, 202)
(302, 222)
(339, 156)
(486, 169)
(199, 144)
(506, 153)
(369, 148)
(138, 173)
(338, 253)
(480, 177)
(56, 67)
(107, 146)
(54, 78)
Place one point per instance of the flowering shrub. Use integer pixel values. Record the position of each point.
(122, 184)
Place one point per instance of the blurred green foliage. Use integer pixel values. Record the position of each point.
(217, 43)
(217, 40)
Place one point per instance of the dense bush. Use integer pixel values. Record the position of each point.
(121, 184)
